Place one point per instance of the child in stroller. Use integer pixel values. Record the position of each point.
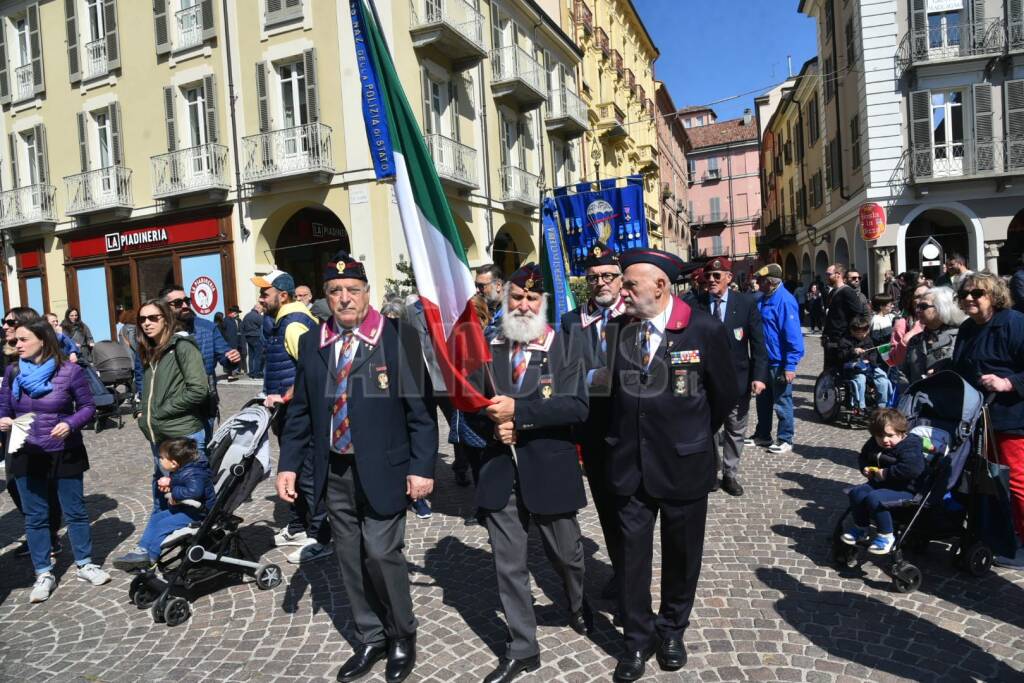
(188, 491)
(892, 462)
(857, 350)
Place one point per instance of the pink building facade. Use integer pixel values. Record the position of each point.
(674, 185)
(724, 198)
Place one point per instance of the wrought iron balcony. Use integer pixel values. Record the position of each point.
(28, 206)
(617, 63)
(454, 161)
(950, 42)
(519, 188)
(289, 152)
(195, 170)
(630, 81)
(24, 87)
(602, 42)
(566, 113)
(583, 16)
(958, 160)
(709, 219)
(453, 28)
(190, 27)
(517, 77)
(96, 59)
(105, 189)
(611, 121)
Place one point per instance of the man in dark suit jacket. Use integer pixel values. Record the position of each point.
(596, 322)
(374, 444)
(528, 469)
(673, 384)
(742, 320)
(251, 330)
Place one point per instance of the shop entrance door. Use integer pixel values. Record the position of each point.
(121, 287)
(154, 274)
(94, 304)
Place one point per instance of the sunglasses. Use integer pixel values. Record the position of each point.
(10, 322)
(923, 307)
(973, 293)
(855, 278)
(178, 303)
(151, 318)
(606, 278)
(715, 275)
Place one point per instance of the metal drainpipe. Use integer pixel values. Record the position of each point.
(732, 216)
(489, 213)
(243, 231)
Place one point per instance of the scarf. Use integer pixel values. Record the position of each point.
(33, 378)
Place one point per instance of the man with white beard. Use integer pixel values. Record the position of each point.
(529, 470)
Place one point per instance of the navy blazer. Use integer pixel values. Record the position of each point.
(393, 432)
(663, 419)
(746, 337)
(996, 348)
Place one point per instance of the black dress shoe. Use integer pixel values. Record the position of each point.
(360, 663)
(672, 654)
(631, 666)
(732, 486)
(582, 621)
(401, 659)
(509, 668)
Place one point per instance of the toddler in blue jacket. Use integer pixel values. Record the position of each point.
(187, 493)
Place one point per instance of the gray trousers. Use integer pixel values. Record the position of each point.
(509, 530)
(369, 549)
(730, 437)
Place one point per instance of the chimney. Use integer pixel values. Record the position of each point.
(748, 117)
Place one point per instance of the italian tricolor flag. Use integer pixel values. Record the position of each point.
(443, 278)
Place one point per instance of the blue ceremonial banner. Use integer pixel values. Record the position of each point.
(612, 214)
(553, 263)
(374, 108)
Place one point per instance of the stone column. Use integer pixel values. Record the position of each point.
(992, 256)
(883, 262)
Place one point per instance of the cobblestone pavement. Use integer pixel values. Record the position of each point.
(770, 607)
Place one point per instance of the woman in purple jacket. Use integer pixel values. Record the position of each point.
(58, 396)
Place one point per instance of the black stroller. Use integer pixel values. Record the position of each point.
(239, 457)
(106, 402)
(947, 413)
(115, 366)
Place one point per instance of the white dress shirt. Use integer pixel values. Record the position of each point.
(659, 323)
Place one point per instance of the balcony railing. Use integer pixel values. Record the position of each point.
(962, 159)
(712, 174)
(24, 87)
(566, 110)
(453, 160)
(190, 27)
(583, 16)
(453, 26)
(100, 190)
(950, 41)
(300, 150)
(630, 81)
(709, 218)
(512, 68)
(602, 42)
(617, 63)
(28, 205)
(96, 59)
(519, 187)
(189, 171)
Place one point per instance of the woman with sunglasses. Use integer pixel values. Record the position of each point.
(174, 393)
(932, 348)
(989, 355)
(75, 328)
(56, 393)
(906, 324)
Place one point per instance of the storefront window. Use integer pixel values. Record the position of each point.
(155, 273)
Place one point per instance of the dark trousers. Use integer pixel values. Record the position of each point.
(56, 513)
(302, 516)
(509, 531)
(255, 357)
(868, 501)
(467, 458)
(594, 463)
(682, 548)
(369, 549)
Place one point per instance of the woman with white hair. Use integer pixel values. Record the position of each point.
(940, 318)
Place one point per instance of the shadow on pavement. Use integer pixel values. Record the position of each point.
(871, 633)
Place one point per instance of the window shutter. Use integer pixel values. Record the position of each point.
(35, 49)
(209, 27)
(273, 6)
(114, 114)
(261, 96)
(829, 173)
(1015, 123)
(13, 138)
(83, 141)
(42, 165)
(921, 132)
(172, 129)
(978, 17)
(210, 92)
(163, 36)
(113, 46)
(453, 108)
(74, 65)
(428, 126)
(983, 131)
(312, 102)
(919, 27)
(5, 83)
(1016, 15)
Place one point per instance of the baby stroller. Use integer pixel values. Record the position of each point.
(239, 458)
(946, 412)
(106, 402)
(115, 365)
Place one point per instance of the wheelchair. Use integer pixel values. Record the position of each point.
(835, 398)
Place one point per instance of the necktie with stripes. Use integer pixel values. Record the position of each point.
(645, 344)
(518, 363)
(716, 309)
(341, 437)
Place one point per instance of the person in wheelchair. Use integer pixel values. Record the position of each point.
(858, 352)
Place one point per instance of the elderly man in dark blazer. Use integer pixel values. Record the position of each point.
(742, 320)
(529, 471)
(374, 444)
(673, 384)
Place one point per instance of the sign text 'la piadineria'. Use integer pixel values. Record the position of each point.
(116, 241)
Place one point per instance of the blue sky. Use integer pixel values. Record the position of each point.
(711, 49)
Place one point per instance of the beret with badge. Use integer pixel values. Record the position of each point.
(668, 263)
(770, 270)
(718, 263)
(600, 255)
(528, 277)
(343, 266)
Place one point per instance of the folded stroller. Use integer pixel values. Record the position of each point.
(946, 413)
(239, 458)
(115, 365)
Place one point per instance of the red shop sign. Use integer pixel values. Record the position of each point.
(872, 221)
(140, 239)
